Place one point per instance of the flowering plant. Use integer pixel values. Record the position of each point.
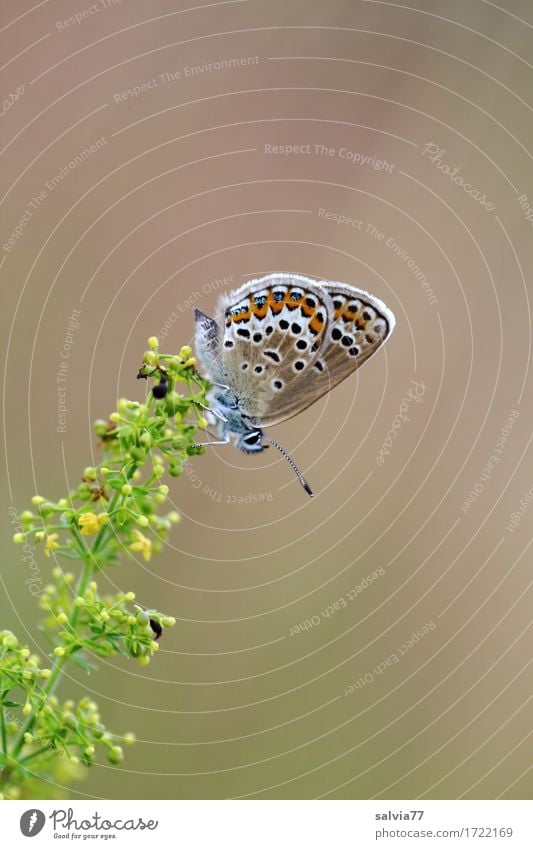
(112, 512)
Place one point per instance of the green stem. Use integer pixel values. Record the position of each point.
(4, 732)
(24, 761)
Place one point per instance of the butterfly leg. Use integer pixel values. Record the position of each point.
(215, 413)
(216, 442)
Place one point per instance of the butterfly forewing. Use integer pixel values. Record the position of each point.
(274, 329)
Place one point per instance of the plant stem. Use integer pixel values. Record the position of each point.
(4, 733)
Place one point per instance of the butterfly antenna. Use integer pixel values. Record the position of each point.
(292, 464)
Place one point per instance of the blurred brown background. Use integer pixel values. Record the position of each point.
(183, 196)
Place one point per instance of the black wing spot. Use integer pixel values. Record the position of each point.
(337, 304)
(284, 324)
(243, 332)
(335, 334)
(319, 366)
(273, 355)
(296, 328)
(277, 384)
(269, 330)
(310, 302)
(258, 369)
(301, 344)
(257, 337)
(347, 341)
(353, 351)
(244, 366)
(299, 365)
(228, 343)
(367, 316)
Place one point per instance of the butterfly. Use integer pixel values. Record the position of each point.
(277, 345)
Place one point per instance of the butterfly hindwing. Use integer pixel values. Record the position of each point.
(359, 326)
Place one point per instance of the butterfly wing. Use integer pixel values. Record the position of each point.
(208, 347)
(287, 340)
(274, 328)
(358, 325)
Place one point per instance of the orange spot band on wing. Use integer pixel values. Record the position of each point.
(316, 324)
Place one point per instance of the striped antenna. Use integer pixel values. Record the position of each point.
(292, 464)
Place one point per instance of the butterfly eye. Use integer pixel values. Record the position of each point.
(253, 437)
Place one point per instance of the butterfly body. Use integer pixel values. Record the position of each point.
(278, 344)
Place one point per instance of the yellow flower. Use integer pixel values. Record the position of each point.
(142, 544)
(89, 523)
(51, 544)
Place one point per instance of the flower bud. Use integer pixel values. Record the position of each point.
(115, 755)
(59, 651)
